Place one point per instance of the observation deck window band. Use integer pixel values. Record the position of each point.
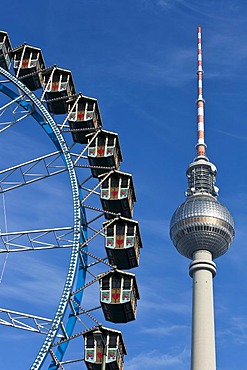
(200, 227)
(223, 242)
(209, 230)
(212, 221)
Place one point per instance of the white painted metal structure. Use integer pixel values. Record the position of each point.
(202, 229)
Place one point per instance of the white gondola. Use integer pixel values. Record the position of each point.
(104, 151)
(118, 296)
(104, 342)
(123, 243)
(84, 117)
(58, 86)
(117, 194)
(28, 63)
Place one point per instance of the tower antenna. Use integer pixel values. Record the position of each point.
(201, 146)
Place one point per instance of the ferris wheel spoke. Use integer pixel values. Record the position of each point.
(62, 237)
(81, 154)
(102, 211)
(37, 324)
(6, 125)
(96, 231)
(89, 283)
(25, 321)
(56, 360)
(19, 97)
(31, 171)
(12, 102)
(42, 239)
(11, 115)
(68, 362)
(98, 259)
(83, 311)
(41, 325)
(92, 191)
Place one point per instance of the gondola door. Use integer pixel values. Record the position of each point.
(100, 147)
(114, 190)
(116, 289)
(120, 236)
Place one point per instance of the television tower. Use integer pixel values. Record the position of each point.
(202, 229)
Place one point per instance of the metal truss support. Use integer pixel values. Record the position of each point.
(36, 239)
(31, 171)
(25, 321)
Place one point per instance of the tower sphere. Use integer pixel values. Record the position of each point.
(202, 223)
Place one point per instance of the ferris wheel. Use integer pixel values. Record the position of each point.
(66, 214)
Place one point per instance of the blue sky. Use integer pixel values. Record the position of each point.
(138, 58)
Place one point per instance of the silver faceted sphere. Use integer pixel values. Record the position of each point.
(202, 223)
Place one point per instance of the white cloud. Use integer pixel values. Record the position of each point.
(30, 282)
(162, 4)
(160, 305)
(162, 68)
(157, 360)
(236, 330)
(231, 134)
(165, 330)
(225, 8)
(164, 298)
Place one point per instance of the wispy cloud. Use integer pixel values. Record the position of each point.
(225, 8)
(162, 4)
(159, 69)
(165, 71)
(156, 227)
(31, 285)
(231, 134)
(165, 330)
(162, 306)
(158, 360)
(157, 300)
(236, 331)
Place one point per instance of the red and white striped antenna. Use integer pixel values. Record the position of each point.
(201, 146)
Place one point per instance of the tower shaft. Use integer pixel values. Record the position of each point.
(202, 270)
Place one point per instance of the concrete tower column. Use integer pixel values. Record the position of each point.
(202, 270)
